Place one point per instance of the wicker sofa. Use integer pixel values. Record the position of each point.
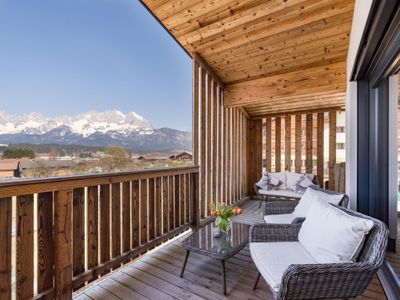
(328, 280)
(287, 206)
(280, 194)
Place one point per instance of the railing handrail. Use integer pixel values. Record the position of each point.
(40, 185)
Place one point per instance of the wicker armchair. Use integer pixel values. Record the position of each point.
(326, 281)
(285, 206)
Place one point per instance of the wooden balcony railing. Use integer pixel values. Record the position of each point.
(87, 226)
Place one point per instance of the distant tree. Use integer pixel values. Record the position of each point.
(85, 155)
(18, 153)
(115, 158)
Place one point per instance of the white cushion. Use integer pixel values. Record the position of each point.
(310, 196)
(279, 219)
(293, 178)
(273, 180)
(268, 181)
(263, 183)
(283, 193)
(302, 184)
(332, 236)
(272, 259)
(282, 177)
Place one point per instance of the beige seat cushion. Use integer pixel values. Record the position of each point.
(284, 193)
(272, 259)
(279, 219)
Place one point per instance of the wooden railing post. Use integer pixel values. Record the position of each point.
(63, 243)
(195, 198)
(5, 248)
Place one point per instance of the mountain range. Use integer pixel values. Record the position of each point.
(99, 129)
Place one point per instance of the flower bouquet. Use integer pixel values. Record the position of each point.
(223, 213)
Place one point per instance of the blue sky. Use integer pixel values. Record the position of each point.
(70, 56)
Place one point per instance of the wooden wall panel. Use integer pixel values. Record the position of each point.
(171, 201)
(143, 212)
(24, 281)
(158, 207)
(229, 155)
(214, 144)
(278, 141)
(92, 222)
(309, 143)
(332, 149)
(308, 137)
(320, 148)
(254, 153)
(45, 242)
(208, 199)
(202, 149)
(135, 213)
(221, 152)
(268, 137)
(181, 199)
(84, 230)
(5, 247)
(63, 244)
(104, 222)
(219, 182)
(78, 207)
(150, 210)
(298, 143)
(165, 204)
(177, 186)
(196, 109)
(288, 144)
(126, 216)
(116, 219)
(187, 199)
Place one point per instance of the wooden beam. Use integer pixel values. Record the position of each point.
(288, 146)
(197, 58)
(278, 135)
(298, 111)
(63, 244)
(5, 247)
(309, 143)
(244, 112)
(268, 137)
(203, 140)
(332, 149)
(313, 80)
(254, 167)
(320, 148)
(195, 113)
(25, 268)
(298, 143)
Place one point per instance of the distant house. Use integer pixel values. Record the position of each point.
(181, 156)
(10, 168)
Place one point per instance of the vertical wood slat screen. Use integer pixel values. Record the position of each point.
(297, 143)
(87, 226)
(220, 136)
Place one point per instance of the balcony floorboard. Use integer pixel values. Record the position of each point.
(156, 276)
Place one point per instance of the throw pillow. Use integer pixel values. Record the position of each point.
(310, 196)
(302, 184)
(331, 235)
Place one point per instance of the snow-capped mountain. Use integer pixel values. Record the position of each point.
(91, 129)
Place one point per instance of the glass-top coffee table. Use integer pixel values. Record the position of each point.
(223, 247)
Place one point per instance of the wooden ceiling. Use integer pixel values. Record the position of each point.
(272, 55)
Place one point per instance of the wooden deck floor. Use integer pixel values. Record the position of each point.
(156, 276)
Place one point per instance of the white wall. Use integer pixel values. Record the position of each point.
(360, 16)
